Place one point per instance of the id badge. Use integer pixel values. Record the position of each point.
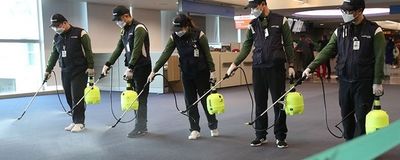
(196, 53)
(64, 54)
(266, 32)
(128, 49)
(356, 45)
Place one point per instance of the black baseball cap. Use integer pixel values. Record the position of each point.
(254, 3)
(351, 5)
(119, 11)
(180, 21)
(57, 19)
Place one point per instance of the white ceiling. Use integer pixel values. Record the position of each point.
(284, 7)
(146, 4)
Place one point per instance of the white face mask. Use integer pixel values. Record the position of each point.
(256, 12)
(347, 17)
(121, 24)
(180, 33)
(58, 30)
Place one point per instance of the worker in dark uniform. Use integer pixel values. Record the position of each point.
(135, 41)
(197, 68)
(271, 36)
(72, 48)
(360, 45)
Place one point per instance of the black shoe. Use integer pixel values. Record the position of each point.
(258, 142)
(281, 144)
(136, 133)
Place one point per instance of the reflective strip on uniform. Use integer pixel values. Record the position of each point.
(143, 47)
(378, 30)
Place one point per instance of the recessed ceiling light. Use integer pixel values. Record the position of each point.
(321, 24)
(393, 22)
(336, 13)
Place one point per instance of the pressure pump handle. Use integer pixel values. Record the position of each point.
(291, 82)
(129, 85)
(91, 81)
(377, 103)
(212, 84)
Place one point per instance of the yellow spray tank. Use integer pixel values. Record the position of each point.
(294, 102)
(92, 93)
(128, 99)
(377, 118)
(215, 101)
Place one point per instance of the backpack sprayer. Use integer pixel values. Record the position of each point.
(129, 101)
(294, 101)
(33, 98)
(215, 101)
(92, 93)
(377, 118)
(295, 107)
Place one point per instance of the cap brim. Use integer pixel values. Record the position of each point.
(55, 24)
(251, 5)
(346, 6)
(115, 18)
(176, 28)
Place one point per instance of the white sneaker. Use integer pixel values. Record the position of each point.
(214, 133)
(69, 128)
(78, 128)
(194, 135)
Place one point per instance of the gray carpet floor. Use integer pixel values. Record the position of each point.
(40, 134)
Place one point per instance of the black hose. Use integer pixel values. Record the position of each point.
(252, 104)
(173, 92)
(111, 102)
(58, 95)
(326, 114)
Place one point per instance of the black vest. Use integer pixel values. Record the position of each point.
(128, 37)
(186, 46)
(268, 51)
(355, 65)
(70, 41)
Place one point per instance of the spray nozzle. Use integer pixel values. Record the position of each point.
(102, 76)
(249, 123)
(300, 81)
(232, 73)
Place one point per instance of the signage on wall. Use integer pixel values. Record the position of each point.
(243, 22)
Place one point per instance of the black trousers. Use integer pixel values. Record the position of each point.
(194, 86)
(272, 79)
(74, 82)
(139, 80)
(355, 100)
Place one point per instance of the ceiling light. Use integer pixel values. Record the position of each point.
(393, 22)
(336, 13)
(301, 1)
